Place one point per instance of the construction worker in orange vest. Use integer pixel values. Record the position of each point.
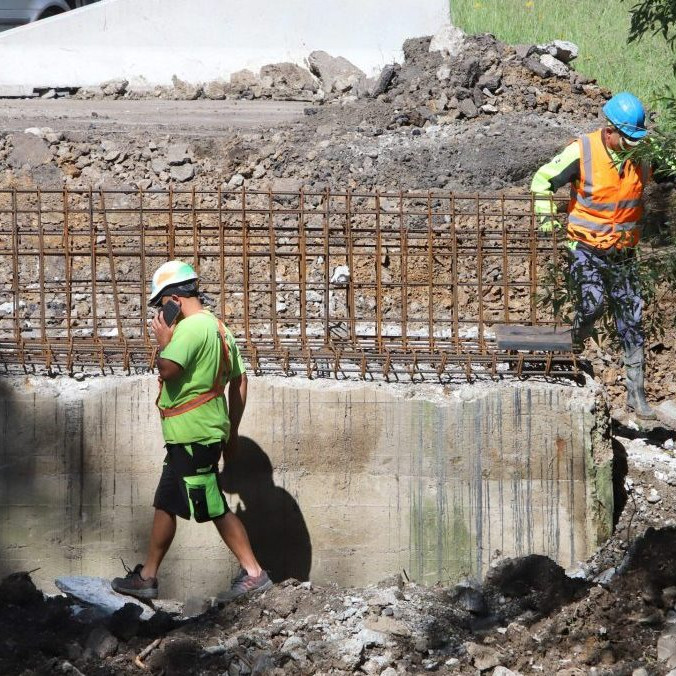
(198, 357)
(603, 229)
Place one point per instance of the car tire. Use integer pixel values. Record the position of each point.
(50, 11)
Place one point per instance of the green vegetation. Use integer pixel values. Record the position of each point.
(600, 28)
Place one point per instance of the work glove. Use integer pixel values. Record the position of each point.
(549, 224)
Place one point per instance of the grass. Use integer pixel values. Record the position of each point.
(598, 27)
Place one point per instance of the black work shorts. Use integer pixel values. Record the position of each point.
(189, 486)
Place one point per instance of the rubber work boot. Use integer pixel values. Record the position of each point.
(634, 362)
(243, 583)
(135, 585)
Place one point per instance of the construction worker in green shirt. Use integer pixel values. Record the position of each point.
(198, 357)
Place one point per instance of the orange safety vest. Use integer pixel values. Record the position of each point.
(216, 390)
(606, 203)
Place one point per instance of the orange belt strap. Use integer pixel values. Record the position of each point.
(216, 390)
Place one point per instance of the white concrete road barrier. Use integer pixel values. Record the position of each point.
(149, 41)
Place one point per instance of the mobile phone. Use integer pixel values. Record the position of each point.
(170, 310)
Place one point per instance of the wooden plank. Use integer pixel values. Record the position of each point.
(531, 338)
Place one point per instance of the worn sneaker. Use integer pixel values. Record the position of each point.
(135, 585)
(243, 583)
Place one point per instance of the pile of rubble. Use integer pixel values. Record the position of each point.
(527, 617)
(464, 75)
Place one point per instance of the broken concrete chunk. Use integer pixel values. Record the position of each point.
(287, 81)
(468, 108)
(182, 172)
(158, 165)
(185, 91)
(101, 643)
(535, 66)
(178, 154)
(554, 65)
(524, 51)
(336, 73)
(28, 149)
(216, 90)
(449, 40)
(114, 87)
(563, 50)
(483, 657)
(384, 79)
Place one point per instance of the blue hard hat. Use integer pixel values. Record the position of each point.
(626, 113)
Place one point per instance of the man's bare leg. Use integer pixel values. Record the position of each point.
(161, 537)
(233, 533)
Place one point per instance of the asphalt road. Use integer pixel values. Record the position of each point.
(176, 117)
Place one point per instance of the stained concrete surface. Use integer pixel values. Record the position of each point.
(345, 482)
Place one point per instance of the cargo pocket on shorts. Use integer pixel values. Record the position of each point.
(204, 496)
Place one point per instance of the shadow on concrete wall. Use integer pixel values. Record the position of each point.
(43, 480)
(272, 518)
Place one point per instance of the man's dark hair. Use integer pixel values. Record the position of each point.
(183, 289)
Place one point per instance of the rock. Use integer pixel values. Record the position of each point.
(242, 81)
(483, 657)
(554, 65)
(666, 648)
(28, 149)
(341, 275)
(384, 79)
(666, 412)
(18, 589)
(287, 81)
(101, 643)
(216, 90)
(49, 94)
(535, 66)
(336, 73)
(158, 165)
(185, 91)
(348, 651)
(114, 87)
(448, 40)
(387, 625)
(560, 49)
(605, 577)
(177, 154)
(236, 181)
(468, 108)
(504, 671)
(489, 80)
(182, 172)
(40, 132)
(653, 497)
(524, 51)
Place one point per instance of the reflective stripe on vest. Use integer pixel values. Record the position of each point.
(606, 204)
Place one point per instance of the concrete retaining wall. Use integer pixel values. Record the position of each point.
(346, 482)
(148, 41)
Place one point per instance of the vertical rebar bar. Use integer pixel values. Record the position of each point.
(41, 269)
(403, 239)
(92, 264)
(273, 270)
(15, 267)
(379, 277)
(480, 276)
(302, 277)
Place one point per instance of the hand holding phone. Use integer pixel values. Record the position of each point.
(170, 311)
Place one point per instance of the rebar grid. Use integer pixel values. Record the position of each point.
(313, 282)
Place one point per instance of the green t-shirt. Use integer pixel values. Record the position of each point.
(196, 347)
